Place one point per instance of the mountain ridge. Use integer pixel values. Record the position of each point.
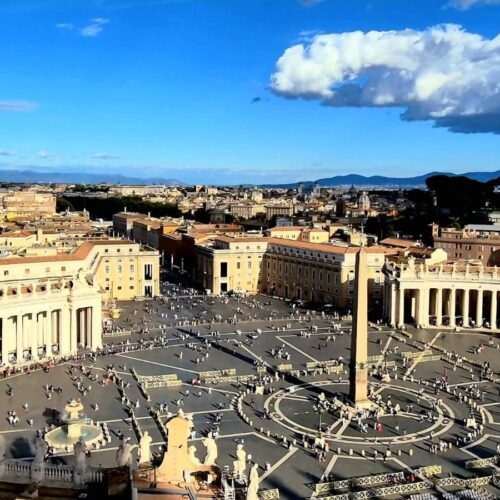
(383, 181)
(27, 176)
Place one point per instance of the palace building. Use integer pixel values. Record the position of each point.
(312, 272)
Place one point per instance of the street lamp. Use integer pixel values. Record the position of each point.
(321, 407)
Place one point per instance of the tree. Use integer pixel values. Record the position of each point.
(62, 204)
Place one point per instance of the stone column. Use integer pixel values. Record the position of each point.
(423, 307)
(19, 337)
(64, 329)
(479, 309)
(439, 307)
(96, 329)
(47, 333)
(452, 306)
(465, 307)
(427, 294)
(393, 305)
(88, 327)
(5, 345)
(401, 307)
(34, 336)
(73, 339)
(493, 311)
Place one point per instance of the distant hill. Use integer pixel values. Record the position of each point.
(80, 178)
(338, 180)
(382, 181)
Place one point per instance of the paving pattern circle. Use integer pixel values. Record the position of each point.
(334, 431)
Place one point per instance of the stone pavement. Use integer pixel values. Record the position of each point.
(288, 410)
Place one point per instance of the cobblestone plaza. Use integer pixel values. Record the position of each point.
(274, 378)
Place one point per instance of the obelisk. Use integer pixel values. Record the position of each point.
(358, 368)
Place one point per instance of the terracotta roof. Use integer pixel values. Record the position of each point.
(289, 228)
(317, 247)
(229, 239)
(327, 248)
(78, 254)
(16, 234)
(398, 242)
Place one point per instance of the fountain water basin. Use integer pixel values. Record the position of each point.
(76, 427)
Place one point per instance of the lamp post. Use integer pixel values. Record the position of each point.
(321, 407)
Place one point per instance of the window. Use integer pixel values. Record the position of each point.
(63, 268)
(106, 250)
(119, 288)
(120, 269)
(223, 270)
(107, 269)
(118, 250)
(131, 287)
(26, 271)
(238, 265)
(47, 269)
(6, 273)
(132, 268)
(107, 288)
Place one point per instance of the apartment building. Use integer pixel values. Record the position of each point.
(474, 242)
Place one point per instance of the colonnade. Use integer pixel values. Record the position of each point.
(438, 306)
(26, 336)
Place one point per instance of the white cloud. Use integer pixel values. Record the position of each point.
(105, 156)
(467, 4)
(443, 73)
(6, 152)
(45, 155)
(17, 106)
(95, 27)
(65, 26)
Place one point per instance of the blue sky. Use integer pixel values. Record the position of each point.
(181, 89)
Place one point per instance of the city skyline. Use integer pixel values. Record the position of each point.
(227, 93)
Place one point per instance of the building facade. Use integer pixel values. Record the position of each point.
(290, 269)
(231, 265)
(52, 305)
(26, 205)
(483, 246)
(42, 318)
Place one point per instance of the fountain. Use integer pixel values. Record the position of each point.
(76, 427)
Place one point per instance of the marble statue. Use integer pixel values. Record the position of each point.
(253, 483)
(239, 465)
(189, 418)
(144, 448)
(192, 455)
(80, 463)
(40, 451)
(211, 446)
(80, 458)
(82, 280)
(123, 454)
